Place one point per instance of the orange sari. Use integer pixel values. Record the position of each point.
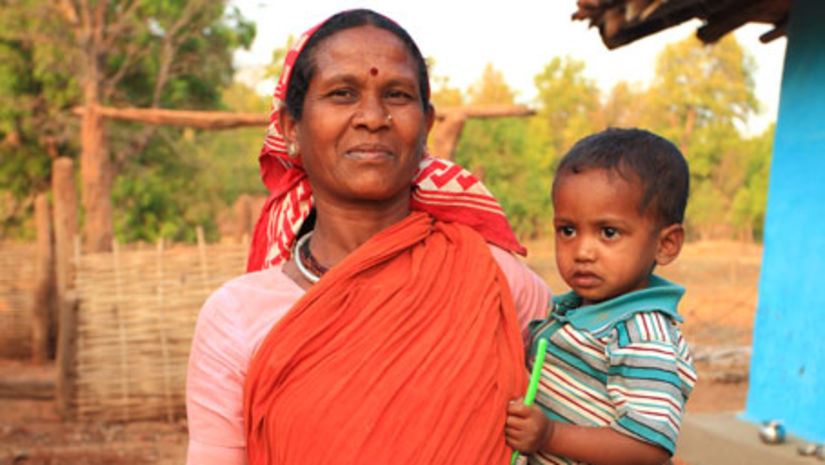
(406, 352)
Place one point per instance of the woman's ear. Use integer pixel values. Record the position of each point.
(289, 126)
(669, 244)
(429, 117)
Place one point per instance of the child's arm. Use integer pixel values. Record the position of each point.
(529, 430)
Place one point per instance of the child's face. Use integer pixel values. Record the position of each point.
(605, 247)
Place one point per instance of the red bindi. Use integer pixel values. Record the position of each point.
(374, 71)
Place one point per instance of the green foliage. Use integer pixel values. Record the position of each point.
(170, 180)
(187, 176)
(567, 102)
(276, 64)
(165, 53)
(442, 95)
(748, 207)
(700, 97)
(490, 89)
(509, 155)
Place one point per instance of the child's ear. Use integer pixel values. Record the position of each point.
(670, 243)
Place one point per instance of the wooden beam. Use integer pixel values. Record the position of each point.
(27, 388)
(484, 111)
(184, 118)
(780, 29)
(444, 136)
(216, 120)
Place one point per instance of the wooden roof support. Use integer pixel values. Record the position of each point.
(623, 21)
(444, 137)
(732, 17)
(780, 29)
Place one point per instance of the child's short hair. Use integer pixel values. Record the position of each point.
(638, 156)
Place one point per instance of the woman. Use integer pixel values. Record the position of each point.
(384, 324)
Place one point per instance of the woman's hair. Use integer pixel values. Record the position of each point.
(304, 67)
(641, 158)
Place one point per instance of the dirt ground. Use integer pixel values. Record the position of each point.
(721, 278)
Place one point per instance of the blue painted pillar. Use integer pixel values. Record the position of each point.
(787, 376)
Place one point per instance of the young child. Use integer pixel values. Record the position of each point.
(617, 371)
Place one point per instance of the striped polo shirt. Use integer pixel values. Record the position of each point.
(621, 363)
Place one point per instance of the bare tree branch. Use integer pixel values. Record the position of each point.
(85, 16)
(171, 41)
(99, 21)
(138, 144)
(68, 10)
(121, 23)
(134, 53)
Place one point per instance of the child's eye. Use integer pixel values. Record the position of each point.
(610, 233)
(566, 231)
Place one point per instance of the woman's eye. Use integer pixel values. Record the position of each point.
(342, 94)
(566, 231)
(399, 96)
(610, 233)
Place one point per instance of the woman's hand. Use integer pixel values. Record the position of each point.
(527, 429)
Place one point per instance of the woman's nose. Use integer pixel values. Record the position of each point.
(371, 114)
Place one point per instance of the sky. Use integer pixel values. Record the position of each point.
(518, 36)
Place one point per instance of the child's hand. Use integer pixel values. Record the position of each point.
(528, 429)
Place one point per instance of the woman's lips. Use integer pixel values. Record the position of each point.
(369, 153)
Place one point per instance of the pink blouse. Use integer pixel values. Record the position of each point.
(234, 321)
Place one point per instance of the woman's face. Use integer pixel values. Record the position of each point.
(363, 127)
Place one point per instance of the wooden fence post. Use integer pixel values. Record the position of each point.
(64, 195)
(65, 226)
(161, 325)
(121, 328)
(43, 302)
(67, 344)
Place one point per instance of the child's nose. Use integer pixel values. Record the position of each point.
(585, 250)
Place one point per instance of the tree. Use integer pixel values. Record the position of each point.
(33, 127)
(441, 93)
(700, 85)
(506, 153)
(623, 107)
(747, 211)
(490, 88)
(699, 97)
(567, 102)
(149, 53)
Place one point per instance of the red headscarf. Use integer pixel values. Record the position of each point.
(441, 188)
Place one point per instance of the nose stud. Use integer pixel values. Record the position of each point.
(389, 118)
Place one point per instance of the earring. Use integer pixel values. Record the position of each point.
(291, 150)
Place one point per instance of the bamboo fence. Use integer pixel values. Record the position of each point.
(17, 270)
(136, 315)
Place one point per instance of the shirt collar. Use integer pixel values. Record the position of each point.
(660, 295)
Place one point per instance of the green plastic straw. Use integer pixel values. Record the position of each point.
(533, 387)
